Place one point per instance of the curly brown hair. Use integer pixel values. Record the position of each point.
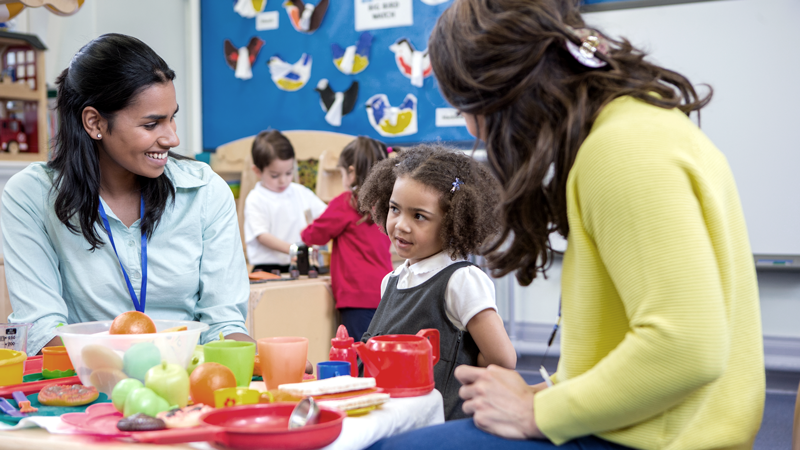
(507, 61)
(470, 212)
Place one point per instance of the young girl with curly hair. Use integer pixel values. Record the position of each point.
(360, 254)
(438, 206)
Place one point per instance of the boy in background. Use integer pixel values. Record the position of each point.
(275, 210)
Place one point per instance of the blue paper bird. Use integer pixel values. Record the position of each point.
(355, 58)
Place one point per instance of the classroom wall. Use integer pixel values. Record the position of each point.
(163, 25)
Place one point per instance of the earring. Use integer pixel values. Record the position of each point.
(99, 136)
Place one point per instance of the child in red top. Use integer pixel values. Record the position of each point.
(360, 256)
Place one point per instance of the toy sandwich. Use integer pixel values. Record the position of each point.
(344, 393)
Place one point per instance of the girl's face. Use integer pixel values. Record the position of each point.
(348, 177)
(278, 175)
(414, 220)
(142, 133)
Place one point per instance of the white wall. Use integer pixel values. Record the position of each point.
(166, 26)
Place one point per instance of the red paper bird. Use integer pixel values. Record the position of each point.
(305, 17)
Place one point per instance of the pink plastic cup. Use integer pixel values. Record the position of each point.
(283, 360)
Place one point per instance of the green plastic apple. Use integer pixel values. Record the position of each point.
(170, 381)
(198, 357)
(121, 391)
(140, 358)
(144, 400)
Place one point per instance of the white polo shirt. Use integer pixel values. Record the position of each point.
(279, 214)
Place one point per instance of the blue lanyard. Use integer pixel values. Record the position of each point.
(138, 305)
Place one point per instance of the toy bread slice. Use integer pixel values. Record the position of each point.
(351, 403)
(327, 386)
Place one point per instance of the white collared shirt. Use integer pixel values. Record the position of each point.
(469, 290)
(281, 214)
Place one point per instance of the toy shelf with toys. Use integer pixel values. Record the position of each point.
(23, 98)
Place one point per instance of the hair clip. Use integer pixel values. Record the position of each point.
(456, 185)
(389, 149)
(592, 41)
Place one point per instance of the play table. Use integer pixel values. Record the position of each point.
(395, 417)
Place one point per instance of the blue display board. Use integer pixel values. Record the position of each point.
(234, 108)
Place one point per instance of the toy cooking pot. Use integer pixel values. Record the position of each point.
(402, 364)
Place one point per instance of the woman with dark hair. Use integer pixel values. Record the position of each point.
(661, 344)
(115, 221)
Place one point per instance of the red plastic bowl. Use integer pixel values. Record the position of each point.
(256, 427)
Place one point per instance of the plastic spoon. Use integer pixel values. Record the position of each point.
(305, 413)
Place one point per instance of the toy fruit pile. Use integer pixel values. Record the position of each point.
(108, 368)
(161, 401)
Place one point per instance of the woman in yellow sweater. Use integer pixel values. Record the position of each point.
(661, 343)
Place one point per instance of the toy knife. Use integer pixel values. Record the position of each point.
(8, 409)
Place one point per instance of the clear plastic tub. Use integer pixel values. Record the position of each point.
(101, 359)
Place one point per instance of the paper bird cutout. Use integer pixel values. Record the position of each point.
(249, 8)
(305, 17)
(390, 121)
(290, 77)
(242, 60)
(414, 64)
(355, 58)
(336, 104)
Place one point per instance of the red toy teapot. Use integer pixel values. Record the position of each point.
(402, 364)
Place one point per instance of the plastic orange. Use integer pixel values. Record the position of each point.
(207, 378)
(132, 322)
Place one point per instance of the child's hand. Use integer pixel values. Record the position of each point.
(309, 367)
(499, 400)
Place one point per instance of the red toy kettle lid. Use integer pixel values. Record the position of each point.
(342, 339)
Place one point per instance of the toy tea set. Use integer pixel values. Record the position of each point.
(162, 385)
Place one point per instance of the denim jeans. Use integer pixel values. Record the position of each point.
(462, 434)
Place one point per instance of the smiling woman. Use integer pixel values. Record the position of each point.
(112, 180)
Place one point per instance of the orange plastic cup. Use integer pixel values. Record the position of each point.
(283, 360)
(56, 358)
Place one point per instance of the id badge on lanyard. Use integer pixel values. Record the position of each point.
(138, 304)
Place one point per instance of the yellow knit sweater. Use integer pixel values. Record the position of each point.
(661, 344)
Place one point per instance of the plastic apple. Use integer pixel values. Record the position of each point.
(198, 357)
(170, 381)
(121, 391)
(144, 400)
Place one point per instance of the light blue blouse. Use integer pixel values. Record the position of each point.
(195, 271)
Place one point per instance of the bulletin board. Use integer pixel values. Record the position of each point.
(237, 107)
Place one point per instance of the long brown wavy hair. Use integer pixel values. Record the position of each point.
(506, 60)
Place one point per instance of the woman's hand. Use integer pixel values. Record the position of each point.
(499, 400)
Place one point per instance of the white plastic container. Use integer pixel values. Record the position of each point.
(100, 358)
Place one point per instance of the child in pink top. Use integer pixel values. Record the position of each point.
(360, 256)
